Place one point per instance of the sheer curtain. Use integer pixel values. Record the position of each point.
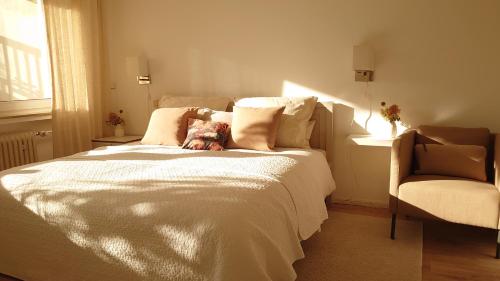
(74, 38)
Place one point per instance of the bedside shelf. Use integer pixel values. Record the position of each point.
(367, 140)
(111, 141)
(124, 139)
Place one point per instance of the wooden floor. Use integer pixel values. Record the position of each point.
(450, 251)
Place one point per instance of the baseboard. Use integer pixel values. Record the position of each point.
(360, 203)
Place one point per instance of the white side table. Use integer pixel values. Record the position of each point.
(366, 140)
(111, 141)
(367, 174)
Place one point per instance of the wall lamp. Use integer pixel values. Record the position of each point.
(138, 66)
(363, 63)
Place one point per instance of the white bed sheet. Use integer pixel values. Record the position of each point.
(140, 212)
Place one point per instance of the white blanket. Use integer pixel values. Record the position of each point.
(155, 213)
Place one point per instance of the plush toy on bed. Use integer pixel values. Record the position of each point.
(206, 135)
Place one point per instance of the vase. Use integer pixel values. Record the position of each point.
(394, 130)
(119, 130)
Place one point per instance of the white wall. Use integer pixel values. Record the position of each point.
(437, 59)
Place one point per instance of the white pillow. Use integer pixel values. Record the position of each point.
(219, 116)
(215, 103)
(294, 121)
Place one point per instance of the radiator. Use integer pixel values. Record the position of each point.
(18, 149)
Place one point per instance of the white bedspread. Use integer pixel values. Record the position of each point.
(155, 213)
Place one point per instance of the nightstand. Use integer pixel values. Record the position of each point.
(111, 141)
(366, 175)
(367, 140)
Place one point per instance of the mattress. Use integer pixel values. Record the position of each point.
(140, 212)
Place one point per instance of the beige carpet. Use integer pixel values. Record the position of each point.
(358, 248)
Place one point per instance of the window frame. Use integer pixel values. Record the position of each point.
(21, 108)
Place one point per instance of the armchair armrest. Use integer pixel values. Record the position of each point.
(496, 161)
(401, 164)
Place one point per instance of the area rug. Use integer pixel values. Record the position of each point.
(358, 248)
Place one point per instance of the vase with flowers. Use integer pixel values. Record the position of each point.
(116, 120)
(391, 114)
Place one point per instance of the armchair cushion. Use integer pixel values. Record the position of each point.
(452, 199)
(466, 161)
(453, 135)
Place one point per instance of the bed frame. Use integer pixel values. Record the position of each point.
(322, 136)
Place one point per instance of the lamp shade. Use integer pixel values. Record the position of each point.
(137, 66)
(362, 58)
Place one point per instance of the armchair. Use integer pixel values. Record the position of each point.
(442, 197)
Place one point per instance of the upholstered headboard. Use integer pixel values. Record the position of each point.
(322, 136)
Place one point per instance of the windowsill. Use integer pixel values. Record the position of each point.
(25, 111)
(25, 118)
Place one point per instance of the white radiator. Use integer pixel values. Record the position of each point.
(18, 149)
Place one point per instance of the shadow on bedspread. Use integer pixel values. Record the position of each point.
(123, 234)
(26, 241)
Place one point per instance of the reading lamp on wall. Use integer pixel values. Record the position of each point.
(138, 66)
(363, 63)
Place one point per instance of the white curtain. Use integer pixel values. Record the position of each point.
(75, 47)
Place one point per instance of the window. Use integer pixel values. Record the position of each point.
(25, 82)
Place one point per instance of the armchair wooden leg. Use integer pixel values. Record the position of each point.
(497, 256)
(393, 227)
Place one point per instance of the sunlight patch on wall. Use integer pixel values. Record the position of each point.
(291, 89)
(374, 125)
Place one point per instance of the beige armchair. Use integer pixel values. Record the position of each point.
(452, 199)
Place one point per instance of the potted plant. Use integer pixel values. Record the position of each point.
(391, 114)
(116, 120)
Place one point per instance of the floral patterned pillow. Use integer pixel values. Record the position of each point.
(206, 135)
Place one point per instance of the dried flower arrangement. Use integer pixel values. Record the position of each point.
(115, 119)
(390, 113)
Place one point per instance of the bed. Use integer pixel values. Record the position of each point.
(148, 212)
